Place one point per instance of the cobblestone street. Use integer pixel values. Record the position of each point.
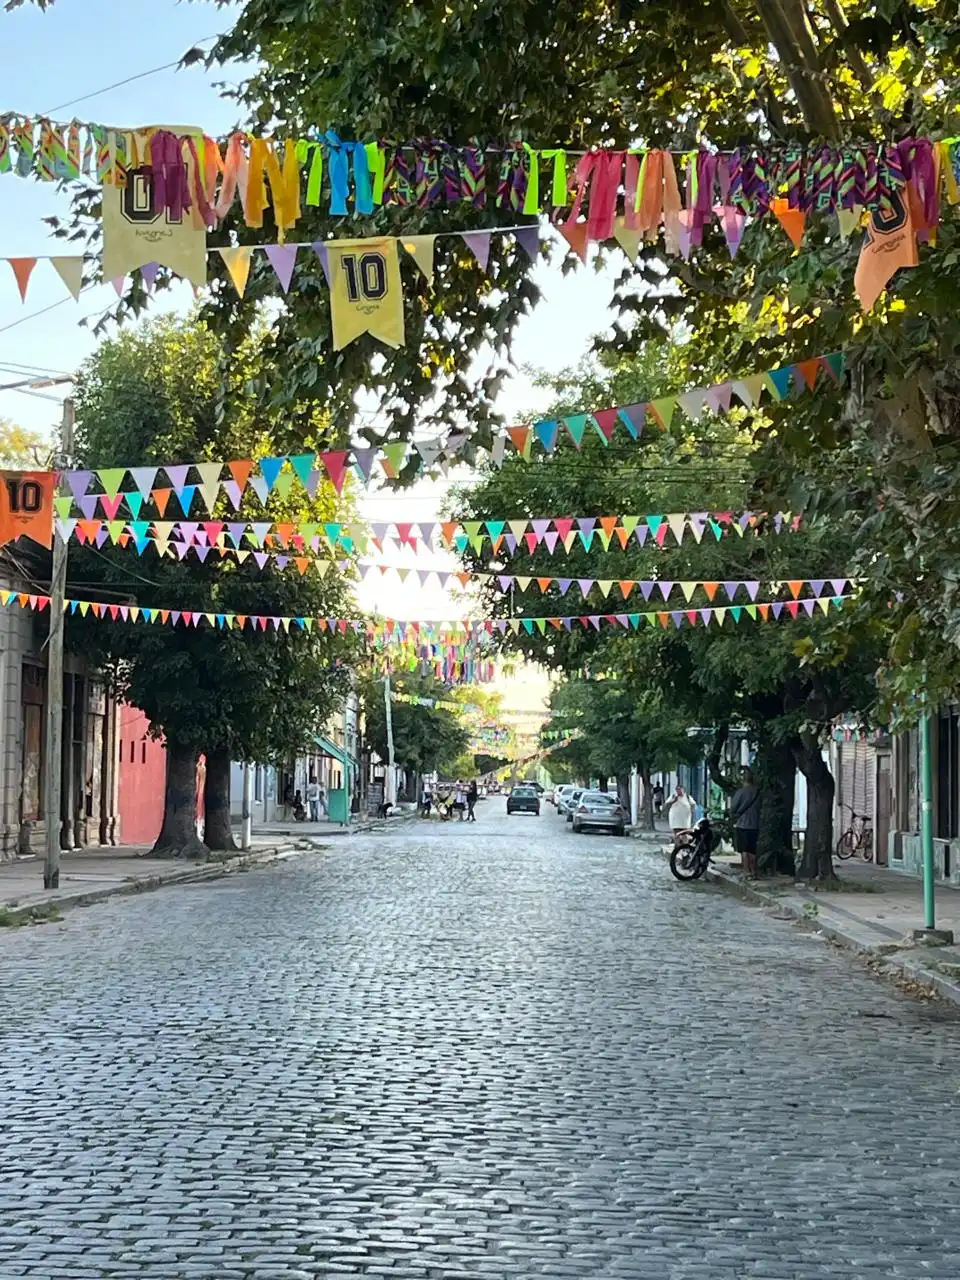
(493, 1051)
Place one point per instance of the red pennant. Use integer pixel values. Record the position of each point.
(564, 527)
(22, 269)
(531, 539)
(606, 420)
(335, 461)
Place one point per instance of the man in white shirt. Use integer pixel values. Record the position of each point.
(313, 799)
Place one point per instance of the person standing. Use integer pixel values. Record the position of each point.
(745, 815)
(471, 800)
(460, 800)
(680, 811)
(658, 800)
(313, 799)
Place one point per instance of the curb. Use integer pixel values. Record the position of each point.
(886, 957)
(40, 908)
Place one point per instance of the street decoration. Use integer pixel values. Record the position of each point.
(26, 506)
(281, 542)
(477, 631)
(203, 482)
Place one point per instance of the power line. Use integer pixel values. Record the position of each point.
(141, 75)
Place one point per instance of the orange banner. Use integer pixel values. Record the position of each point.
(26, 506)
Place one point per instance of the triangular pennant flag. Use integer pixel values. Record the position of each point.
(112, 478)
(575, 234)
(364, 460)
(521, 440)
(335, 462)
(240, 469)
(283, 258)
(143, 478)
(750, 390)
(22, 269)
(478, 242)
(663, 410)
(782, 380)
(237, 262)
(627, 238)
(70, 271)
(576, 424)
(547, 433)
(420, 249)
(160, 498)
(528, 238)
(793, 221)
(808, 370)
(835, 364)
(270, 469)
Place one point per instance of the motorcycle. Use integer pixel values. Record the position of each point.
(690, 856)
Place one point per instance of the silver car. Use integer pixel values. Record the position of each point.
(562, 796)
(596, 809)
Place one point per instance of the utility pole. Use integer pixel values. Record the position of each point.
(53, 750)
(246, 828)
(929, 933)
(347, 790)
(390, 790)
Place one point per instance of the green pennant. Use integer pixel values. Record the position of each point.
(836, 362)
(347, 544)
(333, 532)
(541, 624)
(629, 523)
(472, 527)
(495, 528)
(303, 464)
(112, 478)
(395, 454)
(717, 529)
(663, 409)
(135, 503)
(751, 611)
(63, 507)
(653, 524)
(736, 612)
(634, 620)
(477, 543)
(284, 484)
(576, 425)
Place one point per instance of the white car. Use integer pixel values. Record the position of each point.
(563, 795)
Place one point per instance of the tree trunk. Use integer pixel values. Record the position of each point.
(178, 835)
(602, 784)
(775, 770)
(817, 860)
(623, 791)
(218, 829)
(790, 33)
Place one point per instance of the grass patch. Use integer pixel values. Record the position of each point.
(17, 917)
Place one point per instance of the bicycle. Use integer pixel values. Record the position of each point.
(857, 839)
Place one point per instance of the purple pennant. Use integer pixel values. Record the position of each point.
(506, 581)
(640, 533)
(364, 459)
(236, 530)
(102, 536)
(778, 609)
(149, 274)
(178, 477)
(666, 588)
(88, 504)
(232, 490)
(283, 258)
(585, 584)
(182, 549)
(78, 481)
(540, 527)
(719, 397)
(586, 523)
(594, 620)
(752, 589)
(321, 252)
(564, 584)
(282, 561)
(817, 585)
(188, 530)
(646, 589)
(202, 552)
(551, 540)
(744, 519)
(502, 625)
(622, 619)
(261, 558)
(677, 617)
(311, 482)
(528, 238)
(808, 607)
(568, 624)
(633, 416)
(731, 589)
(839, 585)
(478, 242)
(705, 616)
(511, 542)
(379, 529)
(778, 521)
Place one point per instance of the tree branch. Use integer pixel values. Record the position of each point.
(786, 25)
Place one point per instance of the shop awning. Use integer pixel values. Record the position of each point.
(329, 748)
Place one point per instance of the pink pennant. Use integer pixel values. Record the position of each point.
(335, 462)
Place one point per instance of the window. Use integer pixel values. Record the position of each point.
(143, 752)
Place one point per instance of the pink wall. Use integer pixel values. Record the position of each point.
(143, 773)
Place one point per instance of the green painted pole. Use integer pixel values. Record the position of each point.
(926, 818)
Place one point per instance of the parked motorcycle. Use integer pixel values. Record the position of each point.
(690, 856)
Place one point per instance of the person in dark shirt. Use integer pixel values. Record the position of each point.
(471, 801)
(745, 816)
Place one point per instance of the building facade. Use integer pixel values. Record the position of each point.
(89, 790)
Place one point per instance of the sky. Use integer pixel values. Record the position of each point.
(80, 47)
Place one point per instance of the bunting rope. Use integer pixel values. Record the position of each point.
(476, 631)
(205, 480)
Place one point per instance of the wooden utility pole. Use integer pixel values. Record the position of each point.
(53, 747)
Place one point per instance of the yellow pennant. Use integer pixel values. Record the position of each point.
(365, 291)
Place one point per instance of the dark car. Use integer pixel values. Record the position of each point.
(524, 800)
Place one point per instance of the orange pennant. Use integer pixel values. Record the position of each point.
(240, 469)
(608, 524)
(449, 532)
(795, 588)
(711, 589)
(22, 269)
(575, 234)
(520, 435)
(544, 585)
(809, 370)
(793, 221)
(160, 498)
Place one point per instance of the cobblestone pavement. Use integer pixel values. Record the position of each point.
(448, 1052)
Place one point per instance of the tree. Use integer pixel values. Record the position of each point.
(26, 450)
(426, 738)
(786, 684)
(620, 726)
(174, 392)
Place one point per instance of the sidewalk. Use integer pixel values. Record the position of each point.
(92, 875)
(874, 913)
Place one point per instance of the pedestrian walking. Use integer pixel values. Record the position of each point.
(680, 811)
(460, 800)
(745, 814)
(658, 800)
(471, 801)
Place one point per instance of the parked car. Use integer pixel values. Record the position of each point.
(573, 799)
(562, 795)
(523, 800)
(597, 809)
(548, 796)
